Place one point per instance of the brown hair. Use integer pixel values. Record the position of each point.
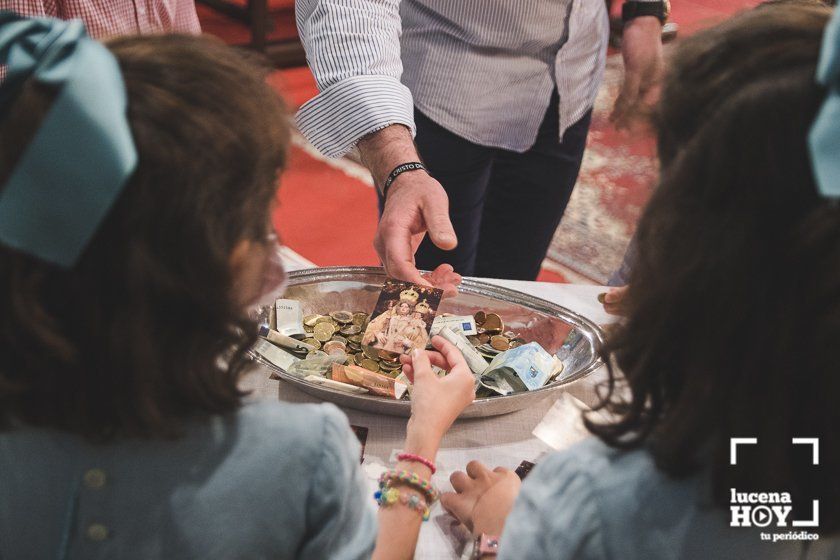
(146, 330)
(734, 301)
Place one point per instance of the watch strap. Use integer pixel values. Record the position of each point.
(634, 8)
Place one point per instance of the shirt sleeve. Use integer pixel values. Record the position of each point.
(340, 516)
(353, 49)
(555, 516)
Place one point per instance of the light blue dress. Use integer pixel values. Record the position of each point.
(274, 480)
(595, 503)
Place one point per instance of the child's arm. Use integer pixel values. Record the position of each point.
(435, 403)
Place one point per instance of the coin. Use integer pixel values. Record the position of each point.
(342, 317)
(316, 354)
(474, 340)
(371, 352)
(372, 365)
(339, 338)
(355, 339)
(493, 324)
(334, 347)
(480, 317)
(360, 318)
(324, 331)
(389, 356)
(322, 319)
(350, 330)
(311, 320)
(312, 342)
(484, 338)
(500, 343)
(358, 358)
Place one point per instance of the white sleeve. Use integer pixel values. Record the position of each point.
(353, 49)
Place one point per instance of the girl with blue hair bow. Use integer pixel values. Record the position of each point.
(136, 188)
(731, 328)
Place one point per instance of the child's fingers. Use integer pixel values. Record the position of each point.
(408, 371)
(453, 355)
(420, 364)
(437, 359)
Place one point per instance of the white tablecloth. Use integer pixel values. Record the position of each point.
(503, 440)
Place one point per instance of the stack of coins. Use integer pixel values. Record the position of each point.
(492, 338)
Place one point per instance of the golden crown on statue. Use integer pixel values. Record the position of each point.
(409, 295)
(423, 307)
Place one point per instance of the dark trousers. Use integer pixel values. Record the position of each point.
(505, 206)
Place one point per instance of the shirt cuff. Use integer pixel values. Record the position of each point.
(335, 119)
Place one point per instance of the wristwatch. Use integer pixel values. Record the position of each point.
(634, 8)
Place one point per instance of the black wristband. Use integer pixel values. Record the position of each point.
(399, 170)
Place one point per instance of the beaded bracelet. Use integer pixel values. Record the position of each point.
(412, 458)
(389, 496)
(410, 479)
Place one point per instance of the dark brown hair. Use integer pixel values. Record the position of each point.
(146, 330)
(733, 309)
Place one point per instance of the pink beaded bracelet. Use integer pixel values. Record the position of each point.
(412, 458)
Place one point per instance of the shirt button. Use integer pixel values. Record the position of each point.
(94, 479)
(97, 532)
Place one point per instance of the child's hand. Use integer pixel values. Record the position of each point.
(437, 402)
(483, 498)
(613, 300)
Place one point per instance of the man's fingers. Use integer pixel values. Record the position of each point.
(436, 217)
(398, 257)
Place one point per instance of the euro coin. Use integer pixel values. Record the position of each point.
(342, 317)
(324, 331)
(372, 365)
(500, 343)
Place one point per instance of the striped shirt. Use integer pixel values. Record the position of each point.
(106, 18)
(483, 69)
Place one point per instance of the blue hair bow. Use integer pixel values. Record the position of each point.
(824, 137)
(76, 165)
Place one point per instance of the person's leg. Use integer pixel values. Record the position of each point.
(463, 168)
(526, 198)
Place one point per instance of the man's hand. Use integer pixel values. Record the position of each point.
(416, 205)
(483, 498)
(641, 49)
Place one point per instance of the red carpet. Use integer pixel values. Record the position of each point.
(327, 211)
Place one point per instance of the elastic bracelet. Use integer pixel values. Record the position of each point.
(412, 458)
(399, 170)
(389, 496)
(410, 479)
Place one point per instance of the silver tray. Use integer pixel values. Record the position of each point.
(561, 331)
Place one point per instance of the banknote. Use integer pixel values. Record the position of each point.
(475, 361)
(376, 383)
(523, 368)
(285, 341)
(275, 355)
(465, 324)
(289, 317)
